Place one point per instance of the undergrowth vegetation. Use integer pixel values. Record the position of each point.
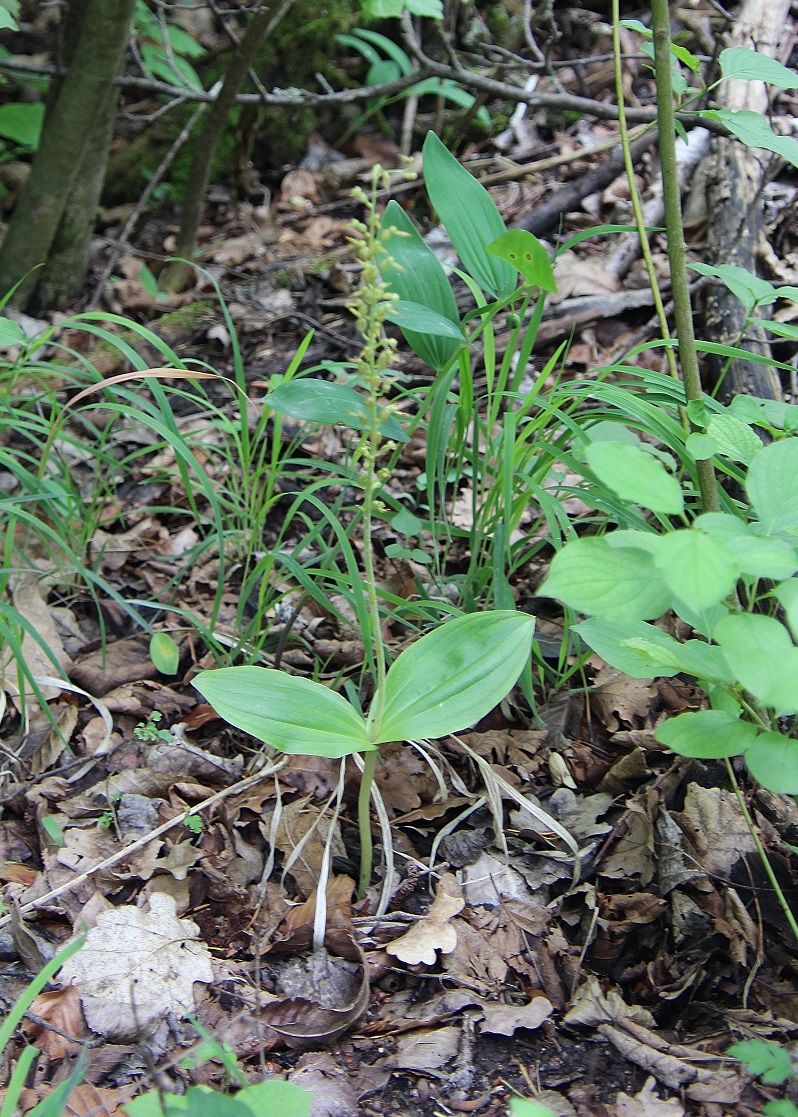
(629, 442)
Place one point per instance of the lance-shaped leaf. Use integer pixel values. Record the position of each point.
(414, 272)
(292, 714)
(454, 676)
(469, 215)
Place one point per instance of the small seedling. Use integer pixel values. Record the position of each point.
(148, 730)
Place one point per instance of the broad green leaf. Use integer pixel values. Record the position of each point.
(381, 72)
(469, 216)
(164, 653)
(7, 21)
(527, 255)
(450, 91)
(11, 333)
(454, 676)
(787, 594)
(362, 47)
(418, 318)
(415, 274)
(22, 123)
(319, 401)
(520, 1107)
(773, 761)
(733, 438)
(776, 413)
(388, 47)
(747, 287)
(619, 583)
(763, 659)
(750, 65)
(700, 570)
(772, 487)
(753, 130)
(771, 1062)
(635, 475)
(392, 9)
(293, 714)
(708, 734)
(274, 1096)
(701, 446)
(644, 651)
(756, 557)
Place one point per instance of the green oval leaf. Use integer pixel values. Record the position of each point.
(619, 583)
(526, 254)
(455, 675)
(700, 571)
(319, 401)
(164, 653)
(22, 123)
(773, 761)
(635, 475)
(764, 659)
(751, 65)
(772, 488)
(418, 318)
(708, 734)
(414, 272)
(294, 715)
(644, 651)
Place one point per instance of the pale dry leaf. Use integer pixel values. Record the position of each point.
(592, 1006)
(715, 827)
(426, 1051)
(620, 698)
(138, 967)
(646, 1104)
(434, 932)
(578, 275)
(503, 1020)
(30, 602)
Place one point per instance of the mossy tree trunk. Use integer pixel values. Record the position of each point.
(53, 219)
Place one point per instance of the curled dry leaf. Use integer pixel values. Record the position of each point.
(302, 1022)
(137, 967)
(503, 1020)
(434, 932)
(61, 1009)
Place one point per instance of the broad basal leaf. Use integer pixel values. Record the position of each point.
(454, 676)
(292, 714)
(469, 215)
(319, 401)
(416, 275)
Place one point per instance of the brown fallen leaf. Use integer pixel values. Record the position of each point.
(503, 1020)
(303, 1022)
(646, 1104)
(61, 1009)
(434, 932)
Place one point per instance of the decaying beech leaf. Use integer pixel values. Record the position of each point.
(434, 932)
(302, 1022)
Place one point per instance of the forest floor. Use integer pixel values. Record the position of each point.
(604, 985)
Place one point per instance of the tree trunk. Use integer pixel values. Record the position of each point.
(77, 119)
(734, 200)
(210, 135)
